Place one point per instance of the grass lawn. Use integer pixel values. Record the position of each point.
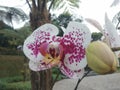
(15, 86)
(19, 86)
(11, 65)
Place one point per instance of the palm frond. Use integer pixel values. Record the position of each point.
(115, 2)
(67, 5)
(11, 14)
(116, 20)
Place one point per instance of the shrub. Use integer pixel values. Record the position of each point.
(19, 86)
(8, 51)
(15, 86)
(12, 79)
(11, 65)
(14, 83)
(2, 86)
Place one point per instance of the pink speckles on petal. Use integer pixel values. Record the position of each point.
(73, 46)
(74, 42)
(38, 66)
(34, 47)
(70, 73)
(41, 35)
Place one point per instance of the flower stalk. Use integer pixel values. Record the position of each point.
(81, 79)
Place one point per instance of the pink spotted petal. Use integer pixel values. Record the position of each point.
(74, 42)
(38, 66)
(46, 29)
(44, 34)
(74, 65)
(31, 50)
(80, 31)
(70, 73)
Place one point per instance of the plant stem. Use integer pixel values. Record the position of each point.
(56, 78)
(81, 79)
(115, 49)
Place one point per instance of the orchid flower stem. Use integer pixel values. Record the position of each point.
(56, 78)
(81, 79)
(115, 49)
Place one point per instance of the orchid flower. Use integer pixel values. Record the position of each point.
(45, 49)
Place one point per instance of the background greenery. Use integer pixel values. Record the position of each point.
(14, 71)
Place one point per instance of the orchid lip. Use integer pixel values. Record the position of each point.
(52, 53)
(54, 50)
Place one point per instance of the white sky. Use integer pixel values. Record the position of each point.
(94, 9)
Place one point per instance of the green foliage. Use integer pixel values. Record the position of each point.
(8, 51)
(13, 38)
(11, 65)
(2, 86)
(3, 41)
(62, 20)
(96, 36)
(15, 86)
(19, 86)
(4, 26)
(12, 79)
(66, 4)
(55, 73)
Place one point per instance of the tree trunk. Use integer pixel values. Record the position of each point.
(39, 15)
(41, 80)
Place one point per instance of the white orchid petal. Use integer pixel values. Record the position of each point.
(48, 28)
(112, 33)
(44, 33)
(75, 40)
(29, 53)
(33, 66)
(37, 66)
(70, 73)
(82, 30)
(74, 64)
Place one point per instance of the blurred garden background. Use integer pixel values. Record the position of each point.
(14, 70)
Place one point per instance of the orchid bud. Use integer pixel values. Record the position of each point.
(100, 58)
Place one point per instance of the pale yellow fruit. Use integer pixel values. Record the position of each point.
(100, 58)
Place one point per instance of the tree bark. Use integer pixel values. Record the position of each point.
(41, 80)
